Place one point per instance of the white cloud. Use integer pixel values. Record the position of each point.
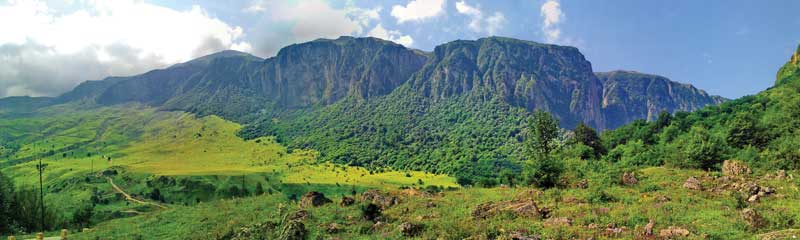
(552, 17)
(477, 22)
(47, 51)
(285, 22)
(418, 10)
(315, 19)
(394, 36)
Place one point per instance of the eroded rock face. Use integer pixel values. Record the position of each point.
(735, 168)
(693, 183)
(314, 199)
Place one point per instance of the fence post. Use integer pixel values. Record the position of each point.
(12, 237)
(64, 234)
(39, 236)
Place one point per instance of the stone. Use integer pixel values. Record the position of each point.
(558, 221)
(333, 228)
(411, 229)
(735, 168)
(648, 229)
(293, 230)
(693, 183)
(673, 232)
(376, 197)
(347, 201)
(753, 198)
(582, 184)
(521, 208)
(753, 218)
(298, 216)
(629, 179)
(314, 199)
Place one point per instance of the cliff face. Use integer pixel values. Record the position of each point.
(519, 73)
(629, 96)
(526, 74)
(324, 71)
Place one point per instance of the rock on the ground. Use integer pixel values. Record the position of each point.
(629, 179)
(648, 229)
(314, 199)
(753, 218)
(411, 229)
(735, 168)
(693, 183)
(293, 230)
(522, 208)
(347, 201)
(582, 184)
(558, 221)
(376, 197)
(673, 232)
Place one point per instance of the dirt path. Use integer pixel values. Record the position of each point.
(128, 196)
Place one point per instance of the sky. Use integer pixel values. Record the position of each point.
(730, 48)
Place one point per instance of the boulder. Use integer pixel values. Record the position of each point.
(753, 218)
(582, 184)
(693, 183)
(376, 197)
(558, 221)
(673, 233)
(629, 179)
(333, 228)
(735, 168)
(293, 230)
(521, 208)
(411, 229)
(648, 229)
(314, 199)
(347, 201)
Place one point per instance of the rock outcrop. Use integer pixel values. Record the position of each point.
(314, 199)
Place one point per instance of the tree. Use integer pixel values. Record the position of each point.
(6, 198)
(588, 136)
(744, 130)
(543, 131)
(83, 215)
(541, 168)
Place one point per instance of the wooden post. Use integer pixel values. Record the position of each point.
(39, 236)
(12, 237)
(64, 234)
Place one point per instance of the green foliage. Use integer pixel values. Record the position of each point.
(588, 137)
(542, 168)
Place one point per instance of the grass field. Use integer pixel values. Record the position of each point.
(146, 147)
(659, 196)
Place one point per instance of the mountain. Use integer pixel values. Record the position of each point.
(628, 96)
(369, 102)
(759, 129)
(525, 74)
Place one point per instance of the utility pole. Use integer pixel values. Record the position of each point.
(40, 167)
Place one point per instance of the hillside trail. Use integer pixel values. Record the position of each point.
(129, 197)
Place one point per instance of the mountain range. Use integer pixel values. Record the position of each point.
(371, 102)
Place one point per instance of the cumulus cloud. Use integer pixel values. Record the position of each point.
(46, 51)
(292, 22)
(418, 10)
(551, 18)
(479, 23)
(394, 36)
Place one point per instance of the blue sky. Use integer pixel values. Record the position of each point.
(728, 48)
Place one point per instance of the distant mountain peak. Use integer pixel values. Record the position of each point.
(207, 59)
